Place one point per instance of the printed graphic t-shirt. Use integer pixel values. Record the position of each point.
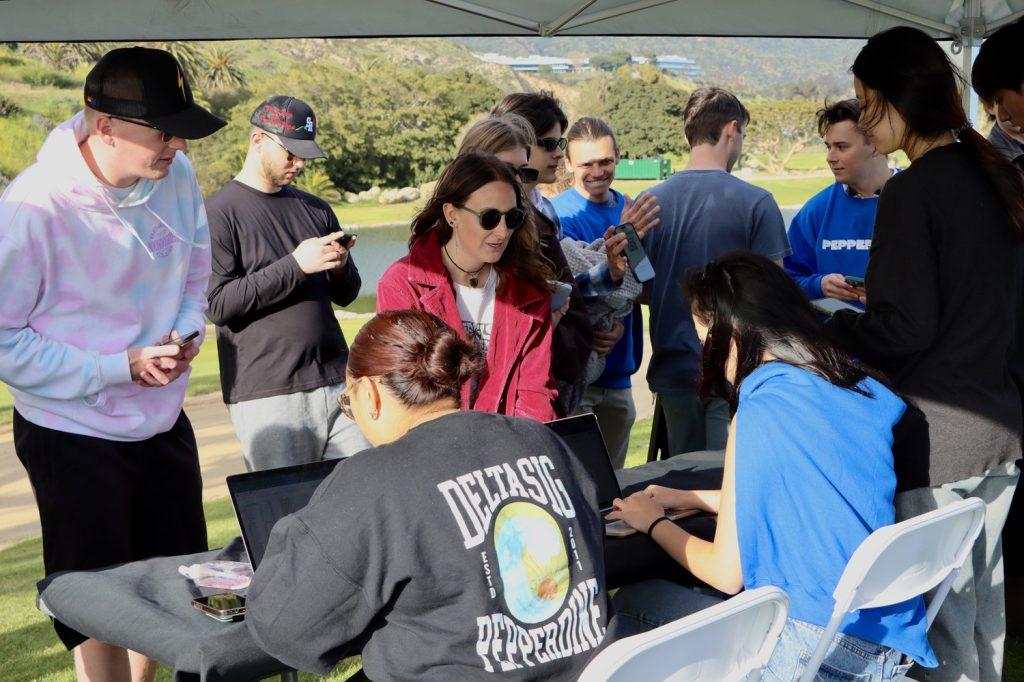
(476, 309)
(468, 549)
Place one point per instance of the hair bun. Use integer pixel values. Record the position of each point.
(448, 359)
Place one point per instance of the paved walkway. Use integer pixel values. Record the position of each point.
(220, 455)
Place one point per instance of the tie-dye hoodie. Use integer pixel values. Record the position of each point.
(87, 273)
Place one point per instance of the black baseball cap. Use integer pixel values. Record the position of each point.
(148, 84)
(294, 123)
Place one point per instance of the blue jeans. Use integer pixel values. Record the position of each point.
(644, 606)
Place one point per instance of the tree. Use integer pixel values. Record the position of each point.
(646, 113)
(610, 61)
(66, 56)
(778, 129)
(222, 70)
(318, 183)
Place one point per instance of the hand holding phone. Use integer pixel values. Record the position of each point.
(635, 254)
(346, 240)
(854, 281)
(561, 294)
(185, 340)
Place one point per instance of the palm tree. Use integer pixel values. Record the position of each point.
(222, 70)
(66, 56)
(318, 183)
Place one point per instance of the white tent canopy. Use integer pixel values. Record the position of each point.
(82, 20)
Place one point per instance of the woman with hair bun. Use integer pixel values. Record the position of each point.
(461, 546)
(475, 261)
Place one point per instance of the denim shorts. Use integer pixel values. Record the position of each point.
(848, 658)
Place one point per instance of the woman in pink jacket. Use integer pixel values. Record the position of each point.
(474, 262)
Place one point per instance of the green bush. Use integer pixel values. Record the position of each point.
(20, 139)
(8, 107)
(38, 75)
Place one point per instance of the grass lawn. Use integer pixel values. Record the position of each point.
(205, 368)
(788, 192)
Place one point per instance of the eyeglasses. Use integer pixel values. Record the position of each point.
(526, 174)
(491, 217)
(550, 144)
(291, 157)
(164, 137)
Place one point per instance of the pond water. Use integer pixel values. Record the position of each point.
(379, 247)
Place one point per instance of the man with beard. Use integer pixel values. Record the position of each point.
(280, 260)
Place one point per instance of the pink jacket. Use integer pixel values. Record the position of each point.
(517, 379)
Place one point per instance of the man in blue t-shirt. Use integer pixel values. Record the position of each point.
(705, 212)
(586, 210)
(831, 235)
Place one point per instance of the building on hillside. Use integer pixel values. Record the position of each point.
(534, 62)
(674, 64)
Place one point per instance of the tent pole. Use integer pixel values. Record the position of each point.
(614, 12)
(488, 13)
(969, 38)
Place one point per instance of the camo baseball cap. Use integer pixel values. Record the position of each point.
(293, 122)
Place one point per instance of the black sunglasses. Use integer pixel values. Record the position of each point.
(491, 217)
(552, 143)
(164, 137)
(525, 173)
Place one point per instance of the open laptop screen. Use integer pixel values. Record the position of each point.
(262, 498)
(583, 436)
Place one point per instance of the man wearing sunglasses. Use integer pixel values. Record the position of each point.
(280, 260)
(573, 334)
(104, 249)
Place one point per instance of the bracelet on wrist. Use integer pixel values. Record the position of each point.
(655, 522)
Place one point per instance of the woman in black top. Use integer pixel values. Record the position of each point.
(939, 318)
(463, 546)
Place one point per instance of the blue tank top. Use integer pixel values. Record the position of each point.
(814, 477)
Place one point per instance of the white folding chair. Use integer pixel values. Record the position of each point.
(728, 641)
(902, 561)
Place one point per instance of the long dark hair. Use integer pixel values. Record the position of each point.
(747, 298)
(416, 355)
(465, 175)
(911, 73)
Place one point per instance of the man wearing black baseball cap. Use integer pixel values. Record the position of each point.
(104, 247)
(280, 260)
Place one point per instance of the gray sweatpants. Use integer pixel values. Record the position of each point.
(615, 413)
(969, 631)
(295, 428)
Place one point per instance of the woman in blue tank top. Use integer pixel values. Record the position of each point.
(808, 475)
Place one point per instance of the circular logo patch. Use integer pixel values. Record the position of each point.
(532, 561)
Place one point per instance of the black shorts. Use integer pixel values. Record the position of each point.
(104, 502)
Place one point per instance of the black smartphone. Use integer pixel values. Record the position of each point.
(226, 606)
(635, 254)
(185, 340)
(346, 239)
(854, 281)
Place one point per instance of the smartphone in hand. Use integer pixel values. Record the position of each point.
(854, 281)
(185, 340)
(345, 240)
(560, 295)
(639, 263)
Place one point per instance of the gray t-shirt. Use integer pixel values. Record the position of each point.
(704, 214)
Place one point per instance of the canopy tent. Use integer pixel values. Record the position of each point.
(76, 20)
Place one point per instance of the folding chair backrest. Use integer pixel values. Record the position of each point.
(902, 561)
(728, 641)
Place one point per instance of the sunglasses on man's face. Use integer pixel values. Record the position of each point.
(526, 174)
(490, 218)
(164, 137)
(550, 144)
